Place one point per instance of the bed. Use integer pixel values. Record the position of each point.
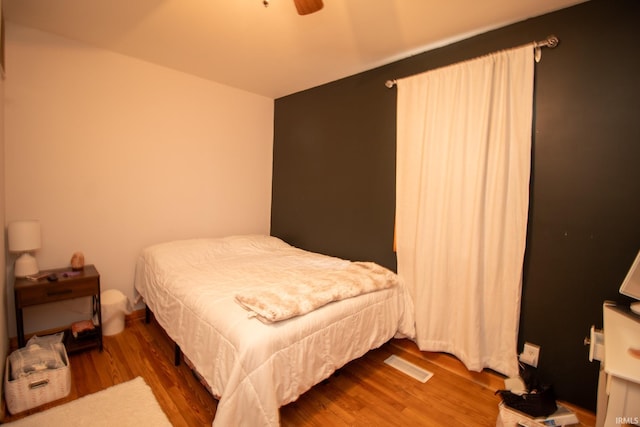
(209, 295)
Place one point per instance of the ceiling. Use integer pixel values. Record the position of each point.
(271, 51)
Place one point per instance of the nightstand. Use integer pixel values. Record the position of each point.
(70, 284)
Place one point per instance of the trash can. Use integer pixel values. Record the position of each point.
(114, 306)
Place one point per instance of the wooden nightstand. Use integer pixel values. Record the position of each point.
(70, 284)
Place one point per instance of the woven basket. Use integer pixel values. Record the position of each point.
(39, 387)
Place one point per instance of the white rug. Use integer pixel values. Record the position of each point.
(130, 404)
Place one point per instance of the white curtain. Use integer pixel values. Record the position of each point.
(462, 197)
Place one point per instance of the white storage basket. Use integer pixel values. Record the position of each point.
(39, 387)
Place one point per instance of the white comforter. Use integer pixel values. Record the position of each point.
(253, 367)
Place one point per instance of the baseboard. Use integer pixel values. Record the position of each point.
(487, 378)
(134, 316)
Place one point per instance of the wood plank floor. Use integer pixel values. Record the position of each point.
(366, 392)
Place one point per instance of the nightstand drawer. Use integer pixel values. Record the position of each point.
(56, 291)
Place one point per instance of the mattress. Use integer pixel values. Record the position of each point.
(253, 367)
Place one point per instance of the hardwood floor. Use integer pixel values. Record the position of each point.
(366, 392)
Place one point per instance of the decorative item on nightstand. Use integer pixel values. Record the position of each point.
(24, 237)
(77, 261)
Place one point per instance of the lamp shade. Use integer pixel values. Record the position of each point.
(24, 236)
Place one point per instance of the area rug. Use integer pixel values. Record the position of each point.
(129, 404)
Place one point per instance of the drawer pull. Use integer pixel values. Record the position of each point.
(38, 384)
(59, 292)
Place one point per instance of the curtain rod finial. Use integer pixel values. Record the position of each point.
(551, 41)
(390, 83)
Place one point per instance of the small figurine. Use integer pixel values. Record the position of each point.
(77, 261)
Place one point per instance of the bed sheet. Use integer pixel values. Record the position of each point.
(252, 367)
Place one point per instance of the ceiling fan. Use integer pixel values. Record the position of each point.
(304, 7)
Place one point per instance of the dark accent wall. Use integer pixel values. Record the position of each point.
(334, 173)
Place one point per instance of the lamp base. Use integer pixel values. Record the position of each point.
(25, 265)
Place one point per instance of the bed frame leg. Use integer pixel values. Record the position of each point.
(176, 350)
(176, 355)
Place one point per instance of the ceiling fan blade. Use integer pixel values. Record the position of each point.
(306, 7)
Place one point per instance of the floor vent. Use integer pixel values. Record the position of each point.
(409, 368)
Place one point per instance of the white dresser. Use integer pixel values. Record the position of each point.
(621, 368)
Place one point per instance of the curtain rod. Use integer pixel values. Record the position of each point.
(551, 42)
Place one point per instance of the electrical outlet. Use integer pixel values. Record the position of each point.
(530, 355)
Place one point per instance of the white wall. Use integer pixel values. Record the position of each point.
(112, 154)
(4, 295)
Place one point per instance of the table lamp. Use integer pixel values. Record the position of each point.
(24, 237)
